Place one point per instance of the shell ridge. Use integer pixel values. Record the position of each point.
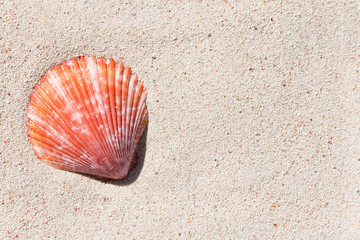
(43, 149)
(85, 140)
(127, 73)
(118, 107)
(95, 100)
(139, 117)
(64, 165)
(53, 160)
(111, 100)
(75, 137)
(97, 120)
(82, 122)
(84, 99)
(141, 125)
(135, 109)
(129, 108)
(95, 75)
(71, 143)
(51, 133)
(39, 133)
(45, 121)
(68, 105)
(61, 152)
(104, 102)
(115, 101)
(92, 162)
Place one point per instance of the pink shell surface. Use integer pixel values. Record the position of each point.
(87, 115)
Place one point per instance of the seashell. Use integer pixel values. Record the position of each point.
(87, 116)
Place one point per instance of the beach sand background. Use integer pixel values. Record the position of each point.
(254, 120)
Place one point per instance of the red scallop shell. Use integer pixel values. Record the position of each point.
(87, 116)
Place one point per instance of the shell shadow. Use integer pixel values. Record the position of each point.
(134, 173)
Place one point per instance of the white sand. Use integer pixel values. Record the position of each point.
(254, 125)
